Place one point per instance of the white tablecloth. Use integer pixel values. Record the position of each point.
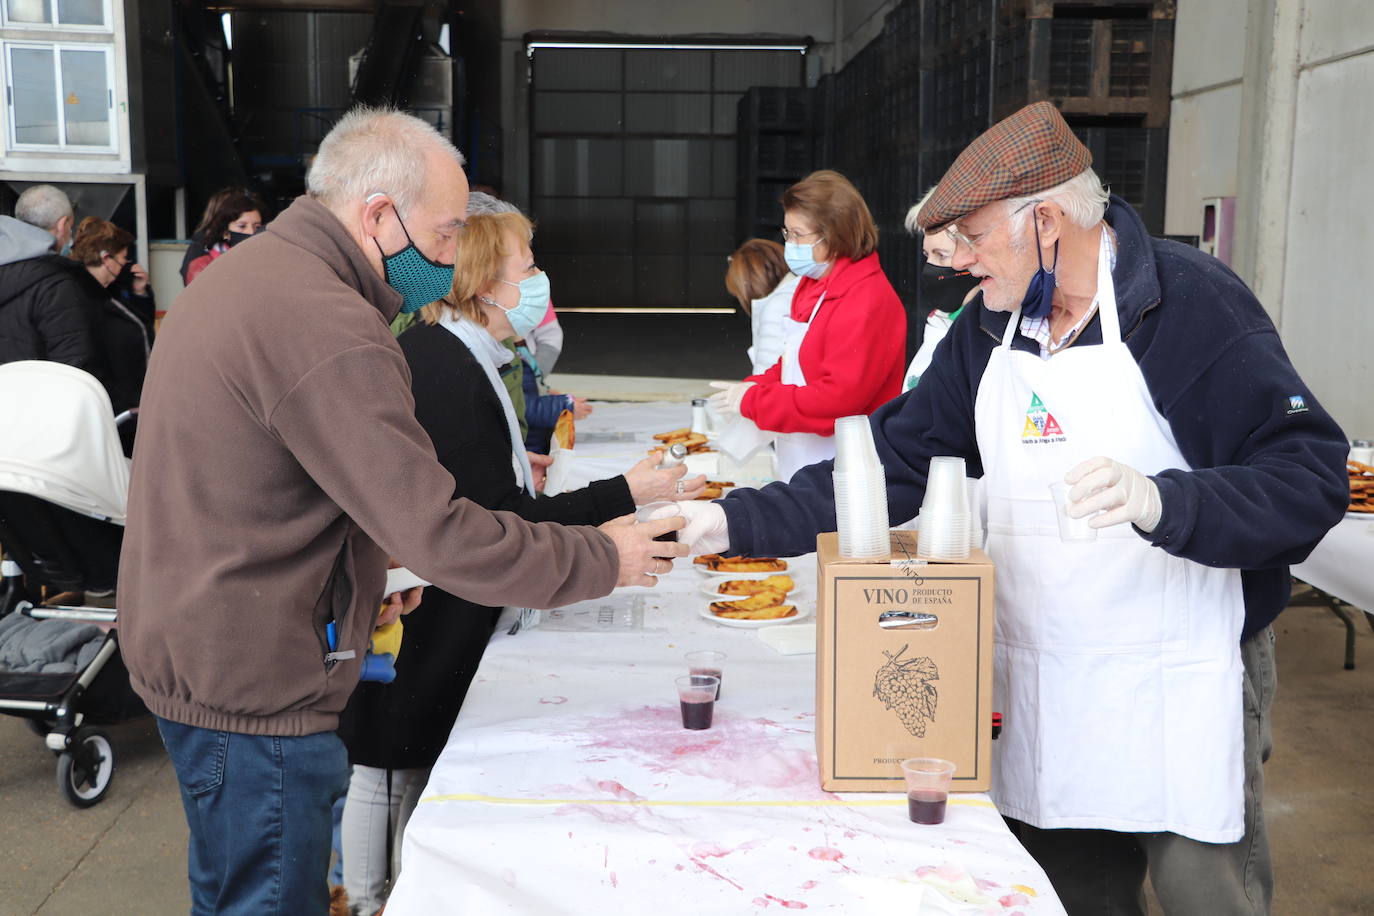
(1343, 563)
(569, 786)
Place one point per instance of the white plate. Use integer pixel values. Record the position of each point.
(710, 573)
(803, 611)
(710, 586)
(1357, 516)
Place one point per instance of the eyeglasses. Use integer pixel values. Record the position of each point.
(973, 241)
(789, 236)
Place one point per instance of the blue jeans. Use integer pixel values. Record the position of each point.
(259, 811)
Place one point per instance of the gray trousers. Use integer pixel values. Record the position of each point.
(1102, 872)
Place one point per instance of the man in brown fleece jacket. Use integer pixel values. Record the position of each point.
(279, 465)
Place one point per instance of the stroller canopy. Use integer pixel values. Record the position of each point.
(58, 440)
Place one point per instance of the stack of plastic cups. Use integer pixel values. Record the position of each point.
(945, 517)
(860, 491)
(975, 513)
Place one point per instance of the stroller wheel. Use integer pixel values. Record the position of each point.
(84, 772)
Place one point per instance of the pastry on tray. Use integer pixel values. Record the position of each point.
(746, 564)
(745, 587)
(757, 602)
(777, 612)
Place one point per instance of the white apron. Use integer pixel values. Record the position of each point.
(796, 450)
(1118, 669)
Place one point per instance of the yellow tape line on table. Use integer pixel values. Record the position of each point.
(780, 803)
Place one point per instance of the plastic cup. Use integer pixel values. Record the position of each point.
(709, 663)
(659, 510)
(696, 694)
(943, 535)
(946, 490)
(854, 448)
(1071, 530)
(927, 788)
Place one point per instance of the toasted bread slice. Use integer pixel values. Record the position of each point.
(765, 598)
(747, 564)
(782, 584)
(674, 435)
(778, 612)
(705, 559)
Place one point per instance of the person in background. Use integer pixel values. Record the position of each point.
(943, 289)
(542, 405)
(758, 277)
(286, 468)
(845, 340)
(546, 342)
(231, 216)
(122, 340)
(394, 732)
(1134, 672)
(42, 313)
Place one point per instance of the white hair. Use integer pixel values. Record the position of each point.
(375, 150)
(1082, 198)
(911, 223)
(42, 205)
(480, 202)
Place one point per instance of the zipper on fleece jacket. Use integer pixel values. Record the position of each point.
(339, 590)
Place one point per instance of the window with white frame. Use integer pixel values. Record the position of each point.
(59, 14)
(59, 96)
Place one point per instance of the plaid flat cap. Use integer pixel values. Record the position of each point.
(1027, 152)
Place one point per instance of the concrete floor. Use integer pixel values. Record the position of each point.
(127, 854)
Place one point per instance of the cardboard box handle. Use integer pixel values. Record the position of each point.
(907, 620)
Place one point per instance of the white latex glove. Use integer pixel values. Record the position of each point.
(727, 400)
(1124, 493)
(706, 530)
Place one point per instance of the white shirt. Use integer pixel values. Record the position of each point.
(767, 316)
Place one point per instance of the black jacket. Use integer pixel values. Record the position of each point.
(42, 314)
(404, 724)
(1268, 473)
(121, 343)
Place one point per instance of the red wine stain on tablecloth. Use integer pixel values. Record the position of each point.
(750, 753)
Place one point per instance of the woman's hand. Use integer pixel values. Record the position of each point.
(140, 280)
(539, 469)
(727, 401)
(581, 407)
(649, 483)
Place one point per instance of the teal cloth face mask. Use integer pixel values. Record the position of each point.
(419, 280)
(534, 304)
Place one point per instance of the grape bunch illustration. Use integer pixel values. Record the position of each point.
(904, 685)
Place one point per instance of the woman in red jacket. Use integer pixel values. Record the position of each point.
(845, 339)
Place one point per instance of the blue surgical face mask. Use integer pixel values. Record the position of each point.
(67, 248)
(800, 261)
(1040, 291)
(419, 280)
(534, 304)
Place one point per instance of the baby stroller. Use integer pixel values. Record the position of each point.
(64, 485)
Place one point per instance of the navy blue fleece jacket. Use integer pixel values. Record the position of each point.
(1268, 478)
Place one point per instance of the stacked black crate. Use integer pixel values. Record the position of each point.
(900, 254)
(774, 137)
(1108, 68)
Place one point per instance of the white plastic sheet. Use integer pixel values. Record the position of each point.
(569, 786)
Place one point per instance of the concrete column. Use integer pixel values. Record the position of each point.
(1267, 119)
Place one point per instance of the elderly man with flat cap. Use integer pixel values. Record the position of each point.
(1134, 672)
